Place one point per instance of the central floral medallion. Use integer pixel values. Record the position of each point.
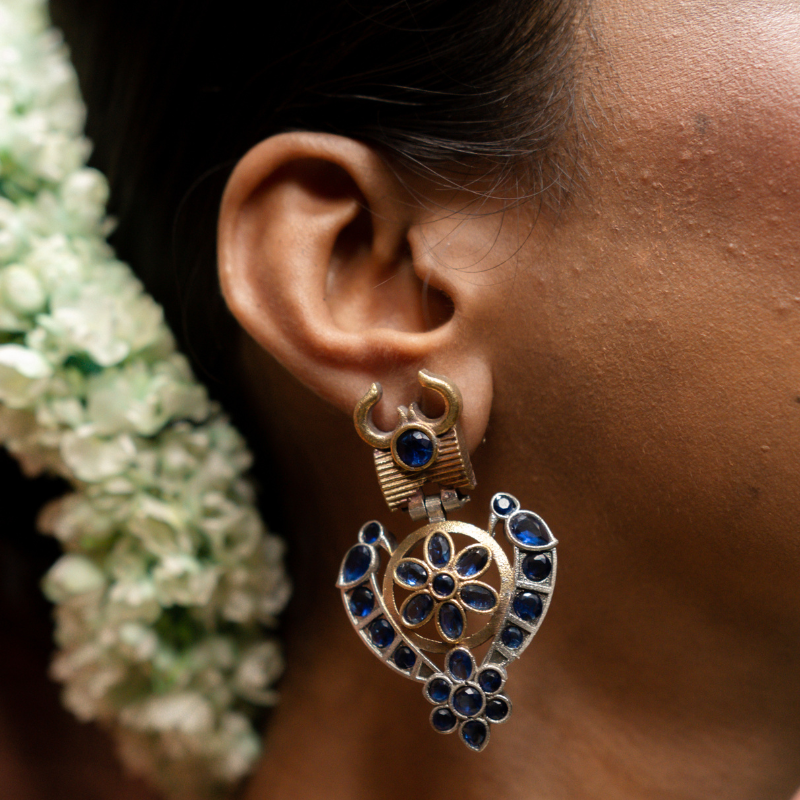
(446, 583)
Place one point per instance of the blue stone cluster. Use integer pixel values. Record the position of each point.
(467, 698)
(444, 586)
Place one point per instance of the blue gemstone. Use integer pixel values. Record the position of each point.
(443, 585)
(443, 719)
(451, 621)
(460, 664)
(467, 701)
(381, 633)
(497, 709)
(478, 597)
(439, 550)
(404, 657)
(512, 637)
(528, 606)
(490, 680)
(503, 505)
(474, 733)
(536, 567)
(529, 530)
(361, 602)
(371, 533)
(356, 563)
(439, 690)
(472, 561)
(418, 609)
(414, 448)
(409, 573)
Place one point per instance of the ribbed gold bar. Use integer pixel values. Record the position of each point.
(451, 470)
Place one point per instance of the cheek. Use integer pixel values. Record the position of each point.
(658, 334)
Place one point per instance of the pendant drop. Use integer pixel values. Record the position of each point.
(448, 587)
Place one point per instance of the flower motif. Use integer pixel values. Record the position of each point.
(468, 698)
(444, 586)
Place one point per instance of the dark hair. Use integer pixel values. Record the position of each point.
(178, 91)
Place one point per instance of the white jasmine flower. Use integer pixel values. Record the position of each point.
(23, 375)
(165, 547)
(72, 575)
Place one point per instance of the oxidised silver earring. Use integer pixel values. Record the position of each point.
(448, 587)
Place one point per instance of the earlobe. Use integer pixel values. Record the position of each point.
(315, 263)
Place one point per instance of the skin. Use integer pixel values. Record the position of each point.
(629, 368)
(629, 371)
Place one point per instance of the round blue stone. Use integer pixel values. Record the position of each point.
(474, 733)
(381, 633)
(460, 664)
(503, 505)
(361, 602)
(467, 701)
(443, 585)
(409, 573)
(490, 680)
(404, 657)
(528, 606)
(497, 709)
(443, 719)
(536, 567)
(439, 550)
(529, 530)
(418, 609)
(356, 563)
(472, 561)
(414, 448)
(439, 690)
(512, 637)
(371, 533)
(451, 621)
(478, 597)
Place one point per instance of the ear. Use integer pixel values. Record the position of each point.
(319, 263)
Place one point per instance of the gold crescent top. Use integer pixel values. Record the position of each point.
(381, 440)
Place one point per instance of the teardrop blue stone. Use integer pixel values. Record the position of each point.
(472, 561)
(460, 665)
(528, 606)
(418, 609)
(439, 550)
(478, 597)
(474, 733)
(356, 563)
(451, 621)
(529, 530)
(409, 573)
(361, 602)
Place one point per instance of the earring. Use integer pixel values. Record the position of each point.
(449, 587)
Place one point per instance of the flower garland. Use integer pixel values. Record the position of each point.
(168, 575)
